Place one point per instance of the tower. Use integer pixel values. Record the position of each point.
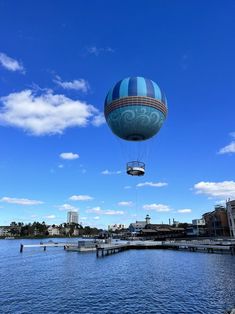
(147, 219)
(72, 217)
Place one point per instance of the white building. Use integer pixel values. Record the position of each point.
(198, 222)
(230, 206)
(139, 225)
(4, 231)
(53, 231)
(116, 227)
(72, 217)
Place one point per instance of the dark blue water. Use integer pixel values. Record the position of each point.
(135, 281)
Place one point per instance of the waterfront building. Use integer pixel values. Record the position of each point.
(53, 231)
(217, 222)
(161, 232)
(5, 231)
(139, 225)
(230, 206)
(197, 228)
(116, 227)
(72, 217)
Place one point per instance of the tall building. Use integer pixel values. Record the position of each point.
(230, 206)
(72, 217)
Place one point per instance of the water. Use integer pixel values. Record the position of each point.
(135, 281)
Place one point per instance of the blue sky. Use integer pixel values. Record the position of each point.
(57, 62)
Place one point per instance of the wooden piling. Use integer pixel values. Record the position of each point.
(21, 248)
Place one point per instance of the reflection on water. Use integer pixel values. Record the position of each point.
(135, 281)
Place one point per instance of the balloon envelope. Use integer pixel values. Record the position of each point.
(135, 108)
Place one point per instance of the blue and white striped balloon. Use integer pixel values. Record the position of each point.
(135, 108)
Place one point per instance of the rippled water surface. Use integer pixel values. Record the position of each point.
(135, 281)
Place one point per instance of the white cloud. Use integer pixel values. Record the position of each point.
(229, 148)
(113, 212)
(153, 184)
(98, 210)
(157, 207)
(125, 203)
(98, 120)
(61, 166)
(10, 63)
(69, 156)
(93, 50)
(184, 211)
(46, 113)
(81, 84)
(223, 189)
(67, 207)
(97, 217)
(50, 217)
(81, 198)
(20, 201)
(108, 172)
(94, 210)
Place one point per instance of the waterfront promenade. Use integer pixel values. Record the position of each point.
(103, 249)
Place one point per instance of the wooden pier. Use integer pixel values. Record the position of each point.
(112, 248)
(108, 249)
(45, 245)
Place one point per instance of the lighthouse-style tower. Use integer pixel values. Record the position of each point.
(147, 219)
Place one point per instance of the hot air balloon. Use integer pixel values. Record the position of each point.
(135, 109)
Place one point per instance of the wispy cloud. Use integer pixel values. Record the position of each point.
(223, 189)
(10, 63)
(230, 148)
(125, 203)
(69, 156)
(98, 210)
(50, 216)
(184, 211)
(96, 217)
(20, 201)
(67, 207)
(98, 120)
(81, 198)
(108, 172)
(46, 113)
(152, 184)
(96, 51)
(80, 84)
(127, 187)
(157, 207)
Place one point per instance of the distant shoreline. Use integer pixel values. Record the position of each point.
(46, 237)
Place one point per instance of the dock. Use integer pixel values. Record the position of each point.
(44, 246)
(104, 249)
(108, 249)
